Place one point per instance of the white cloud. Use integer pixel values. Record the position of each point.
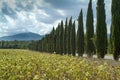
(61, 12)
(11, 22)
(43, 14)
(42, 3)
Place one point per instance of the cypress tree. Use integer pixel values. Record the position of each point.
(68, 36)
(110, 47)
(53, 43)
(73, 40)
(42, 44)
(54, 40)
(50, 43)
(47, 43)
(101, 30)
(65, 37)
(57, 39)
(89, 31)
(61, 38)
(80, 35)
(115, 29)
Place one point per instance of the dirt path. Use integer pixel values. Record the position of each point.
(109, 57)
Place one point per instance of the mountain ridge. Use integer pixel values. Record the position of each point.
(27, 36)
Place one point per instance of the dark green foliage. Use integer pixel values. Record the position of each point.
(115, 29)
(57, 39)
(101, 30)
(61, 38)
(65, 37)
(89, 31)
(33, 45)
(53, 40)
(68, 36)
(14, 44)
(73, 40)
(80, 35)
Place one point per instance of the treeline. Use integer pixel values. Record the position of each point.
(65, 40)
(14, 44)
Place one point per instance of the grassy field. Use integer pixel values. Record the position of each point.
(29, 65)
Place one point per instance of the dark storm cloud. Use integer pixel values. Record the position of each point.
(8, 11)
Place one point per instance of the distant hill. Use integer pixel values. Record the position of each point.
(22, 37)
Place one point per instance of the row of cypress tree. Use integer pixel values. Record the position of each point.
(65, 40)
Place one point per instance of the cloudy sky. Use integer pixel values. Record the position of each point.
(39, 16)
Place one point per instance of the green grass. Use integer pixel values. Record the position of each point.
(29, 65)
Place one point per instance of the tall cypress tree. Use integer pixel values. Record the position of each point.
(115, 29)
(101, 30)
(65, 37)
(57, 39)
(68, 36)
(73, 39)
(61, 38)
(89, 31)
(80, 35)
(53, 41)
